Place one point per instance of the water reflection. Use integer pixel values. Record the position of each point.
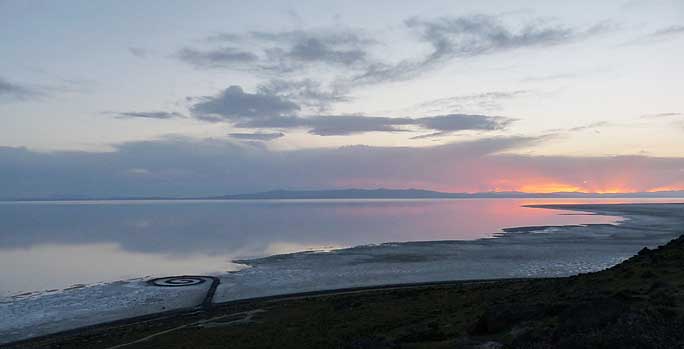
(47, 266)
(54, 245)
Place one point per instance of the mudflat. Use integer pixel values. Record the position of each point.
(636, 304)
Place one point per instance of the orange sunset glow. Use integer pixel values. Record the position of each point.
(550, 186)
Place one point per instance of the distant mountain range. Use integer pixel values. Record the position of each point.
(427, 194)
(377, 194)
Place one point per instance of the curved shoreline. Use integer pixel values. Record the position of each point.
(636, 304)
(632, 223)
(207, 305)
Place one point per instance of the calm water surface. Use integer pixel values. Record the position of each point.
(51, 245)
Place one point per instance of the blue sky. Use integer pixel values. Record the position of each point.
(583, 80)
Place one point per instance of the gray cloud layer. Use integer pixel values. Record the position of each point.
(234, 103)
(178, 166)
(265, 110)
(339, 125)
(258, 136)
(146, 115)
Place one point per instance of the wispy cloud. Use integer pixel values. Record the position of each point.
(217, 58)
(486, 101)
(353, 56)
(593, 127)
(662, 115)
(257, 136)
(662, 34)
(146, 115)
(138, 52)
(306, 92)
(673, 30)
(281, 52)
(15, 91)
(470, 36)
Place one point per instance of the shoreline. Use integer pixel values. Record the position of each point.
(425, 254)
(625, 232)
(27, 293)
(203, 307)
(633, 304)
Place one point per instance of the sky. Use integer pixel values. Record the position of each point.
(128, 98)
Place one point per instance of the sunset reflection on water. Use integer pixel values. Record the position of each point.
(111, 240)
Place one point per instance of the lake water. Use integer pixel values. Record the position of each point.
(53, 245)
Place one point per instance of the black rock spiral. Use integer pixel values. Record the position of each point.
(179, 281)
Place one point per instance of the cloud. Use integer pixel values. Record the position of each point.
(339, 125)
(146, 115)
(258, 136)
(461, 122)
(306, 92)
(351, 55)
(431, 135)
(594, 126)
(330, 125)
(13, 91)
(487, 101)
(221, 57)
(267, 110)
(234, 104)
(319, 67)
(673, 118)
(138, 52)
(316, 50)
(448, 124)
(183, 166)
(470, 36)
(662, 115)
(670, 31)
(476, 35)
(659, 35)
(281, 52)
(550, 77)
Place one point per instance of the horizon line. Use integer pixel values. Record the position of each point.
(243, 196)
